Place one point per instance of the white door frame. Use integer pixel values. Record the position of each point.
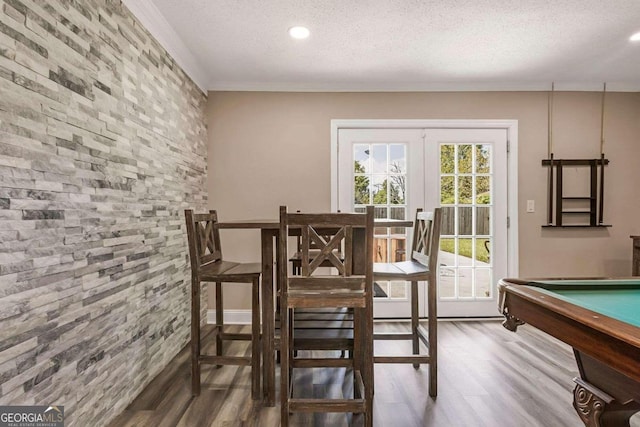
(511, 126)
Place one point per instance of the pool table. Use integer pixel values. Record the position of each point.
(600, 319)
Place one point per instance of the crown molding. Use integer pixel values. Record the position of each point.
(421, 87)
(158, 26)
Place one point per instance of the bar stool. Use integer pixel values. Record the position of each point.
(351, 287)
(313, 320)
(423, 266)
(207, 265)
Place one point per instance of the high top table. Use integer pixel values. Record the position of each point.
(269, 229)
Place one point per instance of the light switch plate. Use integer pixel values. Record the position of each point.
(531, 206)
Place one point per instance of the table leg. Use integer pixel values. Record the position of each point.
(597, 409)
(268, 322)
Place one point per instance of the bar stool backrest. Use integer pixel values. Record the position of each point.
(327, 239)
(426, 238)
(204, 238)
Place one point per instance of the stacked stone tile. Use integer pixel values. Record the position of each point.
(102, 146)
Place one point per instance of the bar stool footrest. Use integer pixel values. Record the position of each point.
(321, 363)
(225, 360)
(235, 336)
(417, 358)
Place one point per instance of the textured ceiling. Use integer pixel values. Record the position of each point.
(411, 44)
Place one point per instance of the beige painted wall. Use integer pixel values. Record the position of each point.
(271, 148)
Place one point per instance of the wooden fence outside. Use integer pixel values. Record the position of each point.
(465, 221)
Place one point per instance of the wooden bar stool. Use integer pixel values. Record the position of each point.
(423, 266)
(207, 265)
(311, 289)
(313, 320)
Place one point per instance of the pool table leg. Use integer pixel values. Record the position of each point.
(597, 409)
(510, 322)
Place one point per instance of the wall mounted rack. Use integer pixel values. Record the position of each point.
(591, 207)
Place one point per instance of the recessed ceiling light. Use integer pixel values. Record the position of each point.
(635, 37)
(299, 32)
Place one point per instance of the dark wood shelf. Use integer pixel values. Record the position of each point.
(573, 162)
(577, 226)
(576, 212)
(578, 198)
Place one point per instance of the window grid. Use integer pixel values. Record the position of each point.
(389, 241)
(476, 269)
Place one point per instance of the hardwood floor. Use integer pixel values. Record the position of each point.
(488, 376)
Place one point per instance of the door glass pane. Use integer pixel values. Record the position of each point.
(398, 290)
(397, 213)
(448, 271)
(384, 287)
(448, 224)
(465, 252)
(380, 245)
(397, 159)
(465, 190)
(447, 279)
(380, 212)
(447, 190)
(447, 261)
(361, 181)
(396, 190)
(465, 282)
(465, 221)
(483, 221)
(398, 249)
(447, 158)
(483, 190)
(397, 174)
(380, 183)
(483, 283)
(483, 158)
(361, 158)
(447, 245)
(362, 190)
(390, 250)
(483, 249)
(380, 164)
(465, 159)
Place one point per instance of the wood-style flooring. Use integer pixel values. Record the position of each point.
(488, 376)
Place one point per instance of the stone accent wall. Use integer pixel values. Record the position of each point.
(102, 146)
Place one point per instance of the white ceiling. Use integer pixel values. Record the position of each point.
(386, 45)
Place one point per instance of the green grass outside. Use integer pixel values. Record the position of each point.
(464, 248)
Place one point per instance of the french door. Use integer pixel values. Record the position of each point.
(462, 170)
(374, 168)
(470, 177)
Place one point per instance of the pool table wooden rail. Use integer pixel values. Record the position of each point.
(607, 350)
(582, 319)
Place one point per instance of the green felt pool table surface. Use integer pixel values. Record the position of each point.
(615, 298)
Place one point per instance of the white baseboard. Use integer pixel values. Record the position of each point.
(231, 317)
